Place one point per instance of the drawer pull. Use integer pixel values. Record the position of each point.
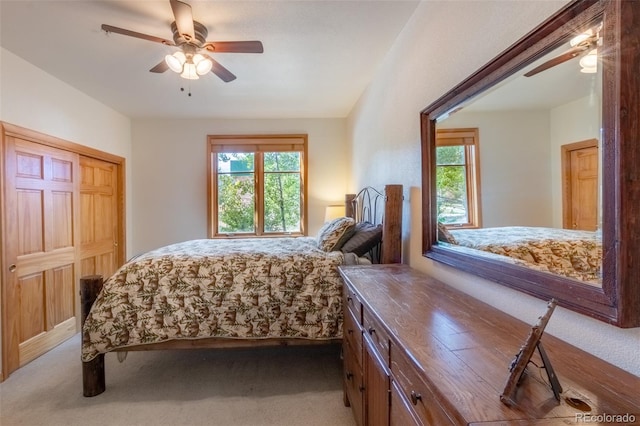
(372, 330)
(350, 330)
(349, 375)
(415, 397)
(361, 388)
(349, 299)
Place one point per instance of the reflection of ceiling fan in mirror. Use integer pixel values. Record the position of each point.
(584, 45)
(190, 36)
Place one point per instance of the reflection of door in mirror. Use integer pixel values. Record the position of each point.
(526, 124)
(580, 185)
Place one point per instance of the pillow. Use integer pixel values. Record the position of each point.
(365, 237)
(334, 233)
(444, 235)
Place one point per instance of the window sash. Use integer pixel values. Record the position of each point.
(259, 145)
(469, 139)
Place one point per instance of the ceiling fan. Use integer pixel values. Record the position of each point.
(191, 61)
(584, 45)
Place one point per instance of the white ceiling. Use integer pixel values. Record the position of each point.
(318, 55)
(551, 88)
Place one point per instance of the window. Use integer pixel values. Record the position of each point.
(257, 185)
(458, 177)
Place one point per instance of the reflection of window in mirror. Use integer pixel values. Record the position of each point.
(458, 177)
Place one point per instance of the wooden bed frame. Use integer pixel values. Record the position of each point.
(368, 205)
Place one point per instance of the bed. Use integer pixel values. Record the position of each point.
(236, 292)
(570, 253)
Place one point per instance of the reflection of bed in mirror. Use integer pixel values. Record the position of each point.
(523, 129)
(570, 253)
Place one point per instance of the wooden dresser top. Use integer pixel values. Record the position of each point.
(464, 348)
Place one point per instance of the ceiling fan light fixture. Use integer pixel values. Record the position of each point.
(176, 61)
(580, 38)
(190, 72)
(589, 63)
(189, 37)
(203, 65)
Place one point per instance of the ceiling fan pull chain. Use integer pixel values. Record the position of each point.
(189, 92)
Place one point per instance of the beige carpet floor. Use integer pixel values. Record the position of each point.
(263, 386)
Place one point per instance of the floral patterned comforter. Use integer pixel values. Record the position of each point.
(240, 288)
(574, 254)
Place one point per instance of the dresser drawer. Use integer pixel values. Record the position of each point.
(401, 412)
(378, 336)
(352, 334)
(417, 395)
(352, 303)
(353, 383)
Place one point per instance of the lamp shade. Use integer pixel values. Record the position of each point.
(188, 65)
(203, 65)
(176, 61)
(189, 72)
(580, 38)
(333, 212)
(589, 63)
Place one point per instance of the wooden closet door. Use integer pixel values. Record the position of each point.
(98, 217)
(584, 189)
(580, 183)
(40, 248)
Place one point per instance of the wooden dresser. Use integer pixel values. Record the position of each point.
(417, 351)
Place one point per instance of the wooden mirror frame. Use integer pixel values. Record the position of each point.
(618, 300)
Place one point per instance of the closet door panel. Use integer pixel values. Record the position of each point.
(30, 224)
(32, 319)
(98, 217)
(40, 211)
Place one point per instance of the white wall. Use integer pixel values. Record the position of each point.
(573, 122)
(514, 165)
(33, 99)
(38, 101)
(430, 56)
(170, 173)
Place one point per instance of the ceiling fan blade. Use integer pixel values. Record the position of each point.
(161, 67)
(111, 29)
(224, 74)
(254, 46)
(184, 19)
(569, 54)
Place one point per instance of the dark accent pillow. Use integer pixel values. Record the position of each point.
(444, 235)
(365, 237)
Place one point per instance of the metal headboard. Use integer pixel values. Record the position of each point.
(385, 209)
(368, 206)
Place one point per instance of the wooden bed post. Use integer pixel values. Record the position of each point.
(348, 205)
(392, 225)
(93, 378)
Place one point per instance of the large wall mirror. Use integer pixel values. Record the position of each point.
(531, 166)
